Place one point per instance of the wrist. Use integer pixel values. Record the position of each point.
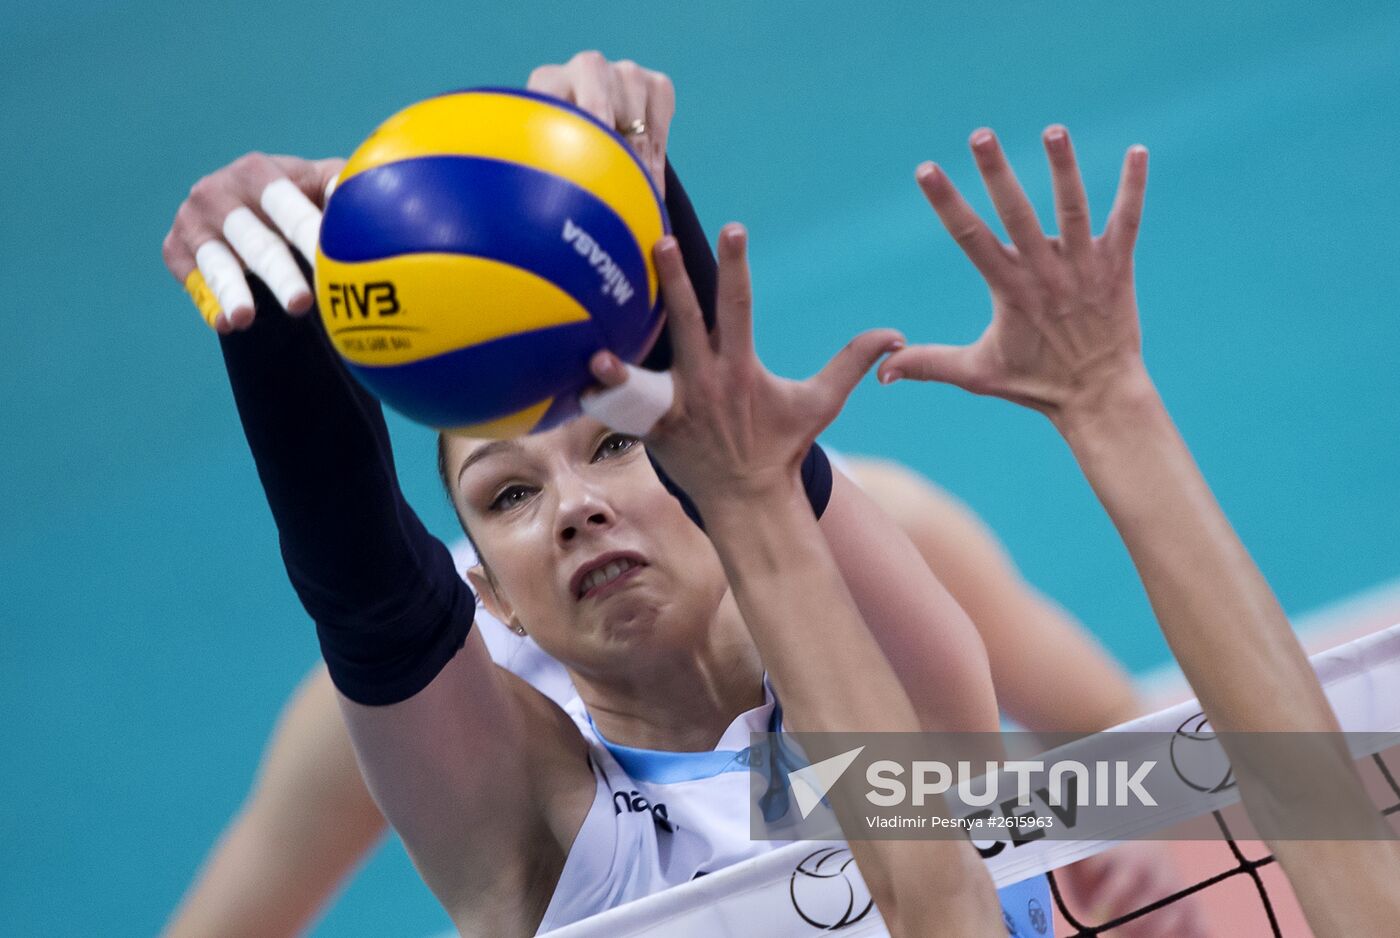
(762, 536)
(1124, 400)
(745, 501)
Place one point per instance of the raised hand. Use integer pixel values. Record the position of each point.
(734, 427)
(638, 102)
(247, 216)
(1064, 314)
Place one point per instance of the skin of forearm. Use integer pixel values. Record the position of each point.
(1345, 888)
(1221, 619)
(1214, 606)
(258, 881)
(799, 611)
(833, 677)
(308, 821)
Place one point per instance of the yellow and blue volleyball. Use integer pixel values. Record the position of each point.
(478, 249)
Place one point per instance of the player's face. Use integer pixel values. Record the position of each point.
(586, 550)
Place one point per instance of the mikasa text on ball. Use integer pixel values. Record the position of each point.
(479, 248)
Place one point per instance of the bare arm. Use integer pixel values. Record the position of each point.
(1064, 339)
(734, 439)
(793, 599)
(308, 821)
(1238, 652)
(1049, 672)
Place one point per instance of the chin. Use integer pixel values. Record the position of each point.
(641, 617)
(630, 617)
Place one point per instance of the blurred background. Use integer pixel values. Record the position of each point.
(149, 635)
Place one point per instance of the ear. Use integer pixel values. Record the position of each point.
(495, 602)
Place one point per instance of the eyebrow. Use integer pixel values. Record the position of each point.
(494, 448)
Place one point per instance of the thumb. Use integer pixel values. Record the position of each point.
(951, 364)
(609, 370)
(839, 378)
(632, 400)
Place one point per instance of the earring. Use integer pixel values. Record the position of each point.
(520, 630)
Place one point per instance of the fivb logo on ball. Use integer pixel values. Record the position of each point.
(358, 311)
(366, 300)
(615, 282)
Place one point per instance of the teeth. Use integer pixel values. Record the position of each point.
(605, 574)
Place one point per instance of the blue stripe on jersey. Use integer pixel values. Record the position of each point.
(518, 369)
(663, 768)
(452, 205)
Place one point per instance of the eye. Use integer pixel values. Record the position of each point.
(614, 444)
(510, 497)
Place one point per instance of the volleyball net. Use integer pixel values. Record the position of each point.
(808, 887)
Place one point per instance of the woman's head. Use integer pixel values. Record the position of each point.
(582, 546)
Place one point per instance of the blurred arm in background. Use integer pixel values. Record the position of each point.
(1049, 672)
(306, 824)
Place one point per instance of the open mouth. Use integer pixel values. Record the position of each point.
(599, 576)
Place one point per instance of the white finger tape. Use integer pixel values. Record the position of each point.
(635, 405)
(224, 275)
(293, 213)
(265, 254)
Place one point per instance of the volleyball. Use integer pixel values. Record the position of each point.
(479, 248)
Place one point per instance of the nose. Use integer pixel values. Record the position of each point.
(581, 509)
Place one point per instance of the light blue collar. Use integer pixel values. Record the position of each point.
(664, 768)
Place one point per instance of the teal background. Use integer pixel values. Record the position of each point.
(149, 637)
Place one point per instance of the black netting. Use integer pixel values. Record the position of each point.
(1244, 866)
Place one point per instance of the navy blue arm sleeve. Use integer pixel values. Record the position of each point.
(389, 607)
(700, 264)
(816, 482)
(703, 271)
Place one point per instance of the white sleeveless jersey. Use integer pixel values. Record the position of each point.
(658, 819)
